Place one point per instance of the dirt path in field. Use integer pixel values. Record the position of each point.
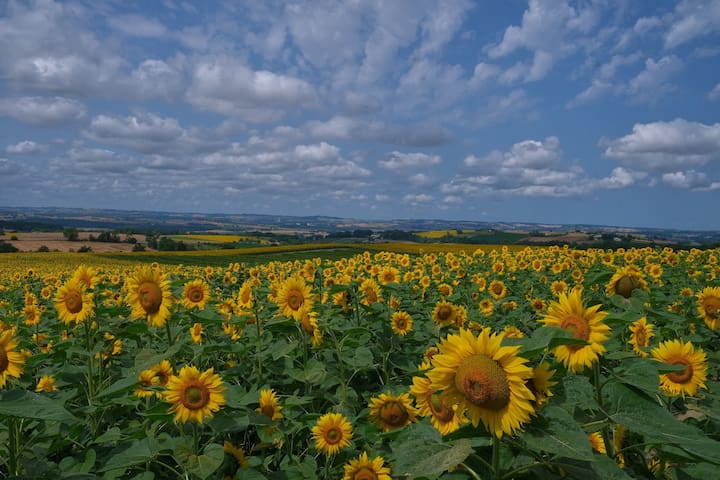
(55, 241)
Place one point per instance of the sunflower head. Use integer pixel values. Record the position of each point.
(708, 307)
(484, 377)
(195, 294)
(401, 323)
(687, 380)
(363, 468)
(269, 405)
(73, 302)
(444, 313)
(586, 324)
(331, 433)
(11, 362)
(625, 280)
(391, 412)
(149, 295)
(195, 396)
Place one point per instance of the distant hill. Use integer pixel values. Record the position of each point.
(51, 218)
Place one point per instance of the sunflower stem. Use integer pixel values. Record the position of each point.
(495, 457)
(259, 345)
(14, 449)
(169, 334)
(196, 440)
(472, 472)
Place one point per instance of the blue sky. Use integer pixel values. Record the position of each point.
(600, 112)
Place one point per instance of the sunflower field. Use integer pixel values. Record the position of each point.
(539, 363)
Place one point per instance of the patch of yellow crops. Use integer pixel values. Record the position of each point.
(52, 263)
(437, 233)
(220, 238)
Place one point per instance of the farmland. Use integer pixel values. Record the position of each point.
(290, 362)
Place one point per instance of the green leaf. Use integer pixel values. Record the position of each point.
(202, 465)
(642, 414)
(25, 404)
(129, 454)
(419, 459)
(607, 469)
(361, 358)
(561, 436)
(543, 338)
(579, 393)
(640, 373)
(112, 435)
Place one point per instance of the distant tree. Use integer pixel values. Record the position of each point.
(84, 249)
(71, 234)
(7, 247)
(43, 248)
(138, 247)
(130, 239)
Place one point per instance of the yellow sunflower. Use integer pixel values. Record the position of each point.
(294, 297)
(445, 418)
(401, 323)
(46, 384)
(195, 294)
(389, 274)
(444, 313)
(625, 280)
(370, 292)
(195, 396)
(708, 306)
(269, 405)
(196, 332)
(73, 303)
(597, 442)
(391, 412)
(163, 371)
(540, 383)
(687, 381)
(238, 453)
(149, 296)
(245, 294)
(86, 275)
(642, 332)
(11, 362)
(146, 380)
(362, 468)
(583, 323)
(331, 433)
(487, 379)
(497, 289)
(486, 307)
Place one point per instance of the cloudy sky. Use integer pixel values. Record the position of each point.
(550, 111)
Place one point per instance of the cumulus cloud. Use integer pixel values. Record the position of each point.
(714, 94)
(417, 199)
(653, 82)
(25, 147)
(689, 180)
(693, 19)
(150, 134)
(8, 167)
(407, 161)
(666, 145)
(347, 128)
(229, 87)
(99, 160)
(547, 30)
(621, 178)
(42, 111)
(530, 154)
(134, 25)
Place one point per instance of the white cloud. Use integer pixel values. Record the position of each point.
(229, 87)
(42, 111)
(361, 130)
(714, 94)
(666, 145)
(621, 178)
(407, 161)
(693, 19)
(417, 199)
(25, 147)
(8, 168)
(653, 82)
(690, 180)
(134, 25)
(81, 159)
(547, 30)
(531, 154)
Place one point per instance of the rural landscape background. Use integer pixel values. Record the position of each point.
(325, 239)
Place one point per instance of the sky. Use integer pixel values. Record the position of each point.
(599, 112)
